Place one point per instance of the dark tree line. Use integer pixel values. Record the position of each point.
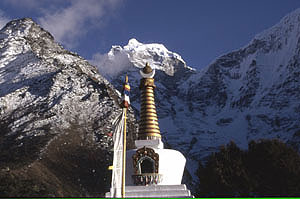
(267, 168)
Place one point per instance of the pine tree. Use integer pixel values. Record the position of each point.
(267, 168)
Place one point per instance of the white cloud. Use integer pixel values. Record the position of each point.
(3, 19)
(69, 23)
(111, 64)
(69, 20)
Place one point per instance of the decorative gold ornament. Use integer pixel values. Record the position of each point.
(145, 154)
(148, 125)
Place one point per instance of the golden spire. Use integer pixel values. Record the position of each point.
(148, 126)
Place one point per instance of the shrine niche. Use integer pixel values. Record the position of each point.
(145, 164)
(145, 161)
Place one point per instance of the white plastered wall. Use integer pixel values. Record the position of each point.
(171, 166)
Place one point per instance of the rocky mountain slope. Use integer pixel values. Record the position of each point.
(251, 93)
(56, 109)
(56, 113)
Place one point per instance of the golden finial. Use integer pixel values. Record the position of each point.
(147, 69)
(148, 126)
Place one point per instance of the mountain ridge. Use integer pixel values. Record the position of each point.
(53, 103)
(56, 117)
(248, 94)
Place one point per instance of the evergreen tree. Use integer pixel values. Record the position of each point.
(267, 168)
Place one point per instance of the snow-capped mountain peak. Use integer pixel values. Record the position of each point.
(120, 59)
(248, 94)
(45, 89)
(157, 55)
(17, 28)
(288, 25)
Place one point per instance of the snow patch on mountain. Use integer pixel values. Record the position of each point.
(45, 89)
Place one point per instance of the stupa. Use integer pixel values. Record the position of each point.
(151, 170)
